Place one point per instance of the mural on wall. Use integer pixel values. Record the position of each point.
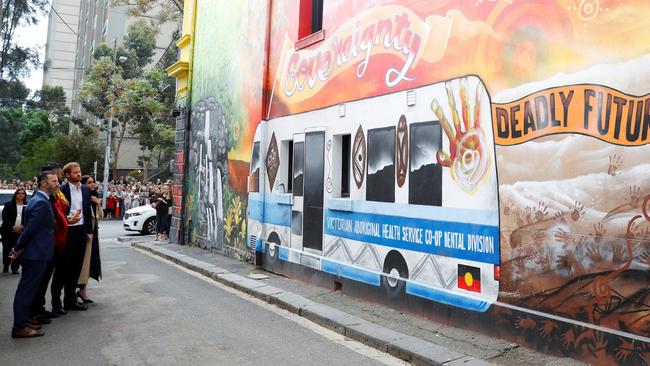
(226, 108)
(552, 98)
(209, 162)
(570, 114)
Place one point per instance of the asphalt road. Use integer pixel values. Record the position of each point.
(151, 312)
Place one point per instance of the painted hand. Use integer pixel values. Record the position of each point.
(468, 157)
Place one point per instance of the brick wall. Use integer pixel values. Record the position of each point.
(176, 234)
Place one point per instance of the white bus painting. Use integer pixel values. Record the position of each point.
(397, 191)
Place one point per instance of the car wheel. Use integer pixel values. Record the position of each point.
(149, 227)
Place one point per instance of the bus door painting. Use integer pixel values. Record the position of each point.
(313, 192)
(298, 191)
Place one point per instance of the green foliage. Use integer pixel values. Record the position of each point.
(38, 153)
(16, 61)
(13, 92)
(138, 101)
(11, 123)
(100, 89)
(166, 10)
(81, 148)
(141, 40)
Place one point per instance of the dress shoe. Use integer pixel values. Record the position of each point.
(26, 332)
(76, 307)
(59, 311)
(48, 314)
(33, 326)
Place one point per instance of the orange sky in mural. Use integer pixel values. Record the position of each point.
(510, 43)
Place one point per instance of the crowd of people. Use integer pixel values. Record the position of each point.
(53, 237)
(124, 193)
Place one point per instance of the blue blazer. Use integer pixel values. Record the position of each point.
(37, 237)
(85, 205)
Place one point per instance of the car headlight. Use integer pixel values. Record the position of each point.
(133, 214)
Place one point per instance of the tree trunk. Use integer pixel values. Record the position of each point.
(117, 149)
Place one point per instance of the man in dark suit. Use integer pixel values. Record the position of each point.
(34, 247)
(80, 232)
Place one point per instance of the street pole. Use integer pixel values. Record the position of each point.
(107, 151)
(95, 170)
(107, 154)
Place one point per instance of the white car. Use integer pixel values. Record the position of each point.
(5, 196)
(142, 219)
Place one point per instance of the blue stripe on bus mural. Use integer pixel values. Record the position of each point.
(283, 253)
(351, 272)
(480, 217)
(270, 212)
(445, 297)
(472, 242)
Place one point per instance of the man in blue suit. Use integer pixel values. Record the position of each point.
(35, 247)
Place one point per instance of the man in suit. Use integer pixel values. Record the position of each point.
(59, 205)
(34, 247)
(80, 232)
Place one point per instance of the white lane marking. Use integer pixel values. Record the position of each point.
(360, 348)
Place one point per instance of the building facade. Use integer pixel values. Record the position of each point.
(61, 48)
(480, 163)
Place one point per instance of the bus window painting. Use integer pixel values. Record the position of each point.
(411, 224)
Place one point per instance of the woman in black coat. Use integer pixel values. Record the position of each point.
(92, 266)
(13, 216)
(163, 204)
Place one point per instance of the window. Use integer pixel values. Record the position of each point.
(310, 24)
(254, 178)
(345, 166)
(285, 172)
(298, 167)
(381, 165)
(290, 167)
(425, 174)
(339, 179)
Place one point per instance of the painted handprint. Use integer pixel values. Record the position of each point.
(468, 157)
(615, 163)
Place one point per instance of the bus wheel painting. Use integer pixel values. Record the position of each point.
(274, 247)
(395, 272)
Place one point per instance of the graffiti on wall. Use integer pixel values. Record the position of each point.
(564, 120)
(226, 108)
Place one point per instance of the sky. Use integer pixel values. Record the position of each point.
(34, 36)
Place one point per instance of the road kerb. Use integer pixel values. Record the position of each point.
(414, 350)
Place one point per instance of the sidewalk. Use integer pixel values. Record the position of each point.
(414, 339)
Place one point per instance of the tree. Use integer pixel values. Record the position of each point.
(120, 90)
(11, 123)
(166, 10)
(81, 148)
(12, 92)
(138, 104)
(53, 100)
(15, 61)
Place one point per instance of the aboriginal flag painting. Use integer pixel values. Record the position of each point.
(469, 278)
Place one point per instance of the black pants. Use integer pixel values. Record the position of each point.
(8, 242)
(38, 304)
(29, 281)
(68, 268)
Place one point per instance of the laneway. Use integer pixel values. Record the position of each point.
(151, 312)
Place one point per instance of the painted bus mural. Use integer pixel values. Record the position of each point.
(482, 163)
